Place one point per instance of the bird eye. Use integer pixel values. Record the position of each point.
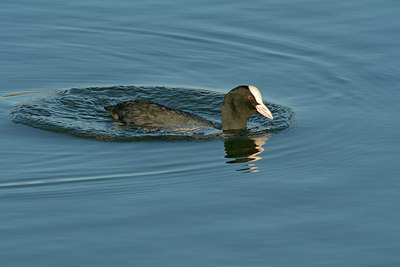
(250, 97)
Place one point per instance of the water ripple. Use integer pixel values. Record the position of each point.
(79, 112)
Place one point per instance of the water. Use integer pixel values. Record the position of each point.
(321, 190)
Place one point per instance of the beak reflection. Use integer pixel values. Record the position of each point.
(245, 150)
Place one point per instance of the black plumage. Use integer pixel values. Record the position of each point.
(238, 105)
(150, 114)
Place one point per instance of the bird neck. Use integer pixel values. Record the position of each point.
(232, 119)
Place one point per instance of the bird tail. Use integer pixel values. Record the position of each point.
(109, 109)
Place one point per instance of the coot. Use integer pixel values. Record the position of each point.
(238, 105)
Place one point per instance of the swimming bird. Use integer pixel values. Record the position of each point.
(238, 104)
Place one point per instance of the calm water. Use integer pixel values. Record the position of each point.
(320, 187)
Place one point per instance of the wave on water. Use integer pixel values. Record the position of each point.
(80, 112)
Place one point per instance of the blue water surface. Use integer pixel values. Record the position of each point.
(322, 190)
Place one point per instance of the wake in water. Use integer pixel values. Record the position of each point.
(80, 112)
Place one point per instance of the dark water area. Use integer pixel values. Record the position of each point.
(318, 186)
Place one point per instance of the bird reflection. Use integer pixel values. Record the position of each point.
(245, 150)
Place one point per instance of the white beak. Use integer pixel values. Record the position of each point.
(263, 110)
